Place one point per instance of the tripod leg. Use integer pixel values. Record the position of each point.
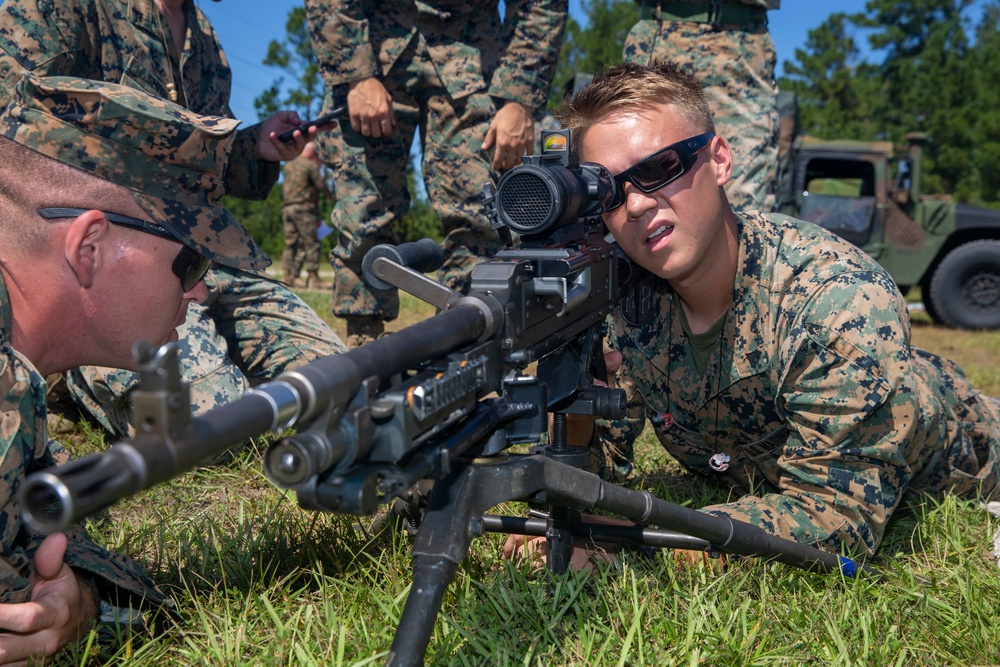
(559, 540)
(431, 577)
(442, 542)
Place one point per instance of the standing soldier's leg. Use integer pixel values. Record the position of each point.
(312, 248)
(372, 193)
(291, 265)
(736, 68)
(455, 171)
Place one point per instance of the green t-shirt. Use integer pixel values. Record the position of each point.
(702, 344)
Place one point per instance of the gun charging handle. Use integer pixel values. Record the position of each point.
(422, 256)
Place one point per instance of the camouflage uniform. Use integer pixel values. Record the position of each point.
(301, 190)
(172, 161)
(448, 66)
(127, 41)
(812, 392)
(734, 59)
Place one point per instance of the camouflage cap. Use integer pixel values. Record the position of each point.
(173, 160)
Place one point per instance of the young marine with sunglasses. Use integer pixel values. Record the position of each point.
(772, 356)
(110, 204)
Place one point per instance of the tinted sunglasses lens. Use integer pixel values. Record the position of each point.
(617, 198)
(657, 170)
(190, 267)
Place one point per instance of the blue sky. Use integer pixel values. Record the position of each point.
(245, 27)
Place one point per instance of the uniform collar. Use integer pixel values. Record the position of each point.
(746, 328)
(147, 15)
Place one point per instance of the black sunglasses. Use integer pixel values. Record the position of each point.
(657, 169)
(189, 266)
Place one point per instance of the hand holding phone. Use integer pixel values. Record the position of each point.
(322, 121)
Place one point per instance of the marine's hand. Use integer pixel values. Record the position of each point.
(370, 107)
(585, 556)
(691, 558)
(272, 149)
(59, 612)
(511, 135)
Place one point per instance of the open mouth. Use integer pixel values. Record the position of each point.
(658, 233)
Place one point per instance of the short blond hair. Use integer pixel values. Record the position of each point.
(631, 86)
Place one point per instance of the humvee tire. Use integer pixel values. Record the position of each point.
(965, 288)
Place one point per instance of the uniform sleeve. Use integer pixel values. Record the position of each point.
(851, 417)
(246, 176)
(314, 183)
(322, 187)
(120, 582)
(340, 39)
(40, 36)
(532, 37)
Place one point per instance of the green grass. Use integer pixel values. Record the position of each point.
(257, 581)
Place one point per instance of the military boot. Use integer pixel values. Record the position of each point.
(292, 280)
(314, 282)
(362, 330)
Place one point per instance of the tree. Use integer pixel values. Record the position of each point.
(922, 72)
(586, 50)
(294, 56)
(834, 101)
(926, 78)
(262, 219)
(984, 155)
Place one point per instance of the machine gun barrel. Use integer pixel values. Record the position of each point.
(54, 499)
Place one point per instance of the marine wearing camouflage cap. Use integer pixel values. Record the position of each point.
(171, 159)
(251, 329)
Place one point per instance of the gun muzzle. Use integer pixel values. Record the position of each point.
(53, 500)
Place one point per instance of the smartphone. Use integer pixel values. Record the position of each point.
(320, 122)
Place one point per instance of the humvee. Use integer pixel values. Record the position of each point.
(870, 194)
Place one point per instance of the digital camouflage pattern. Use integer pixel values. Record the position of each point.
(170, 158)
(127, 42)
(735, 65)
(813, 393)
(25, 448)
(240, 337)
(448, 65)
(302, 187)
(302, 245)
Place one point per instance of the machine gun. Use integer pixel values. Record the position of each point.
(440, 401)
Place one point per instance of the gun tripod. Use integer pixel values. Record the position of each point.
(455, 514)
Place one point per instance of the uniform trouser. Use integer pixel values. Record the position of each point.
(249, 330)
(736, 68)
(372, 185)
(302, 246)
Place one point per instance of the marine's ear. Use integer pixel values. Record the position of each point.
(85, 246)
(722, 160)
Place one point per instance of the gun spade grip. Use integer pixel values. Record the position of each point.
(423, 256)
